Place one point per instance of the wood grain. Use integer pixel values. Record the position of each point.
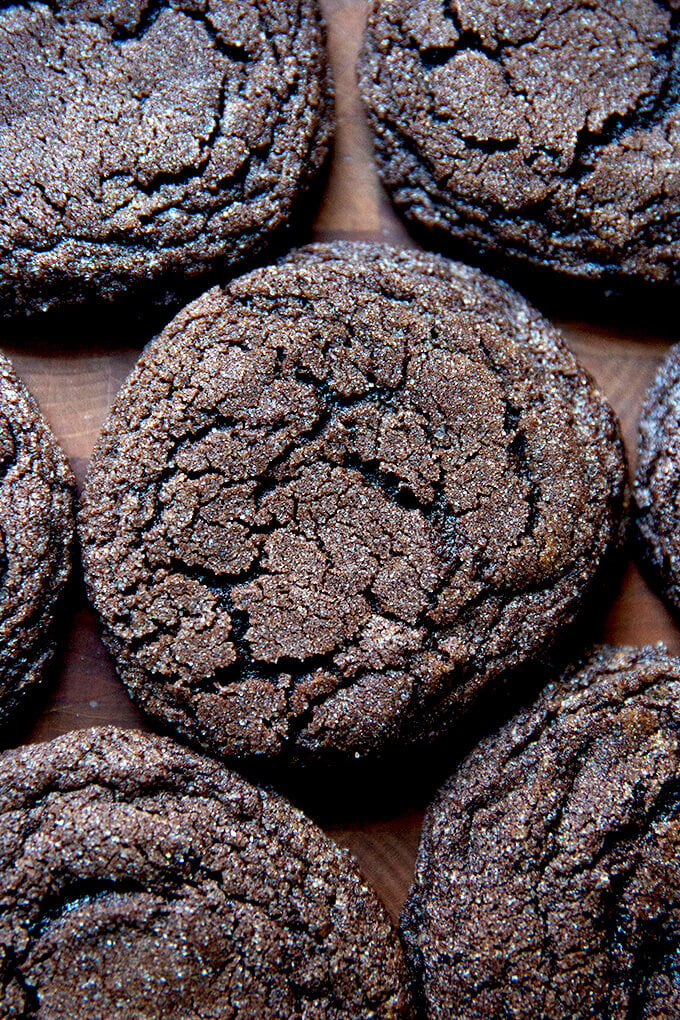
(74, 370)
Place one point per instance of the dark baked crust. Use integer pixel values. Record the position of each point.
(547, 883)
(139, 880)
(37, 529)
(151, 140)
(657, 481)
(547, 132)
(339, 497)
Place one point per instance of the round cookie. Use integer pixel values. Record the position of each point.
(547, 131)
(339, 497)
(547, 883)
(657, 482)
(139, 880)
(37, 529)
(149, 141)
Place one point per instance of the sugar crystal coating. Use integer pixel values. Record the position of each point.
(339, 497)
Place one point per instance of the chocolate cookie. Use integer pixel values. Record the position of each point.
(545, 131)
(339, 497)
(657, 483)
(139, 880)
(36, 535)
(151, 140)
(548, 881)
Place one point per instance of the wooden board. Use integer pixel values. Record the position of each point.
(74, 371)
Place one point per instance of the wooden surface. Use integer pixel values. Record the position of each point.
(74, 372)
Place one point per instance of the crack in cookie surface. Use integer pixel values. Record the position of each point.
(141, 139)
(37, 530)
(657, 481)
(547, 883)
(339, 496)
(546, 132)
(140, 880)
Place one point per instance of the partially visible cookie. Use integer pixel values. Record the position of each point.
(547, 132)
(657, 481)
(547, 883)
(141, 881)
(340, 497)
(36, 537)
(145, 142)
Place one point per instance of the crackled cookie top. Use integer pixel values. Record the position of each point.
(141, 881)
(547, 131)
(143, 138)
(547, 883)
(657, 483)
(36, 535)
(339, 496)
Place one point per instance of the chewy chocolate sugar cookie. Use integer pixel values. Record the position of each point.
(139, 881)
(657, 483)
(151, 140)
(340, 496)
(546, 131)
(36, 536)
(547, 883)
